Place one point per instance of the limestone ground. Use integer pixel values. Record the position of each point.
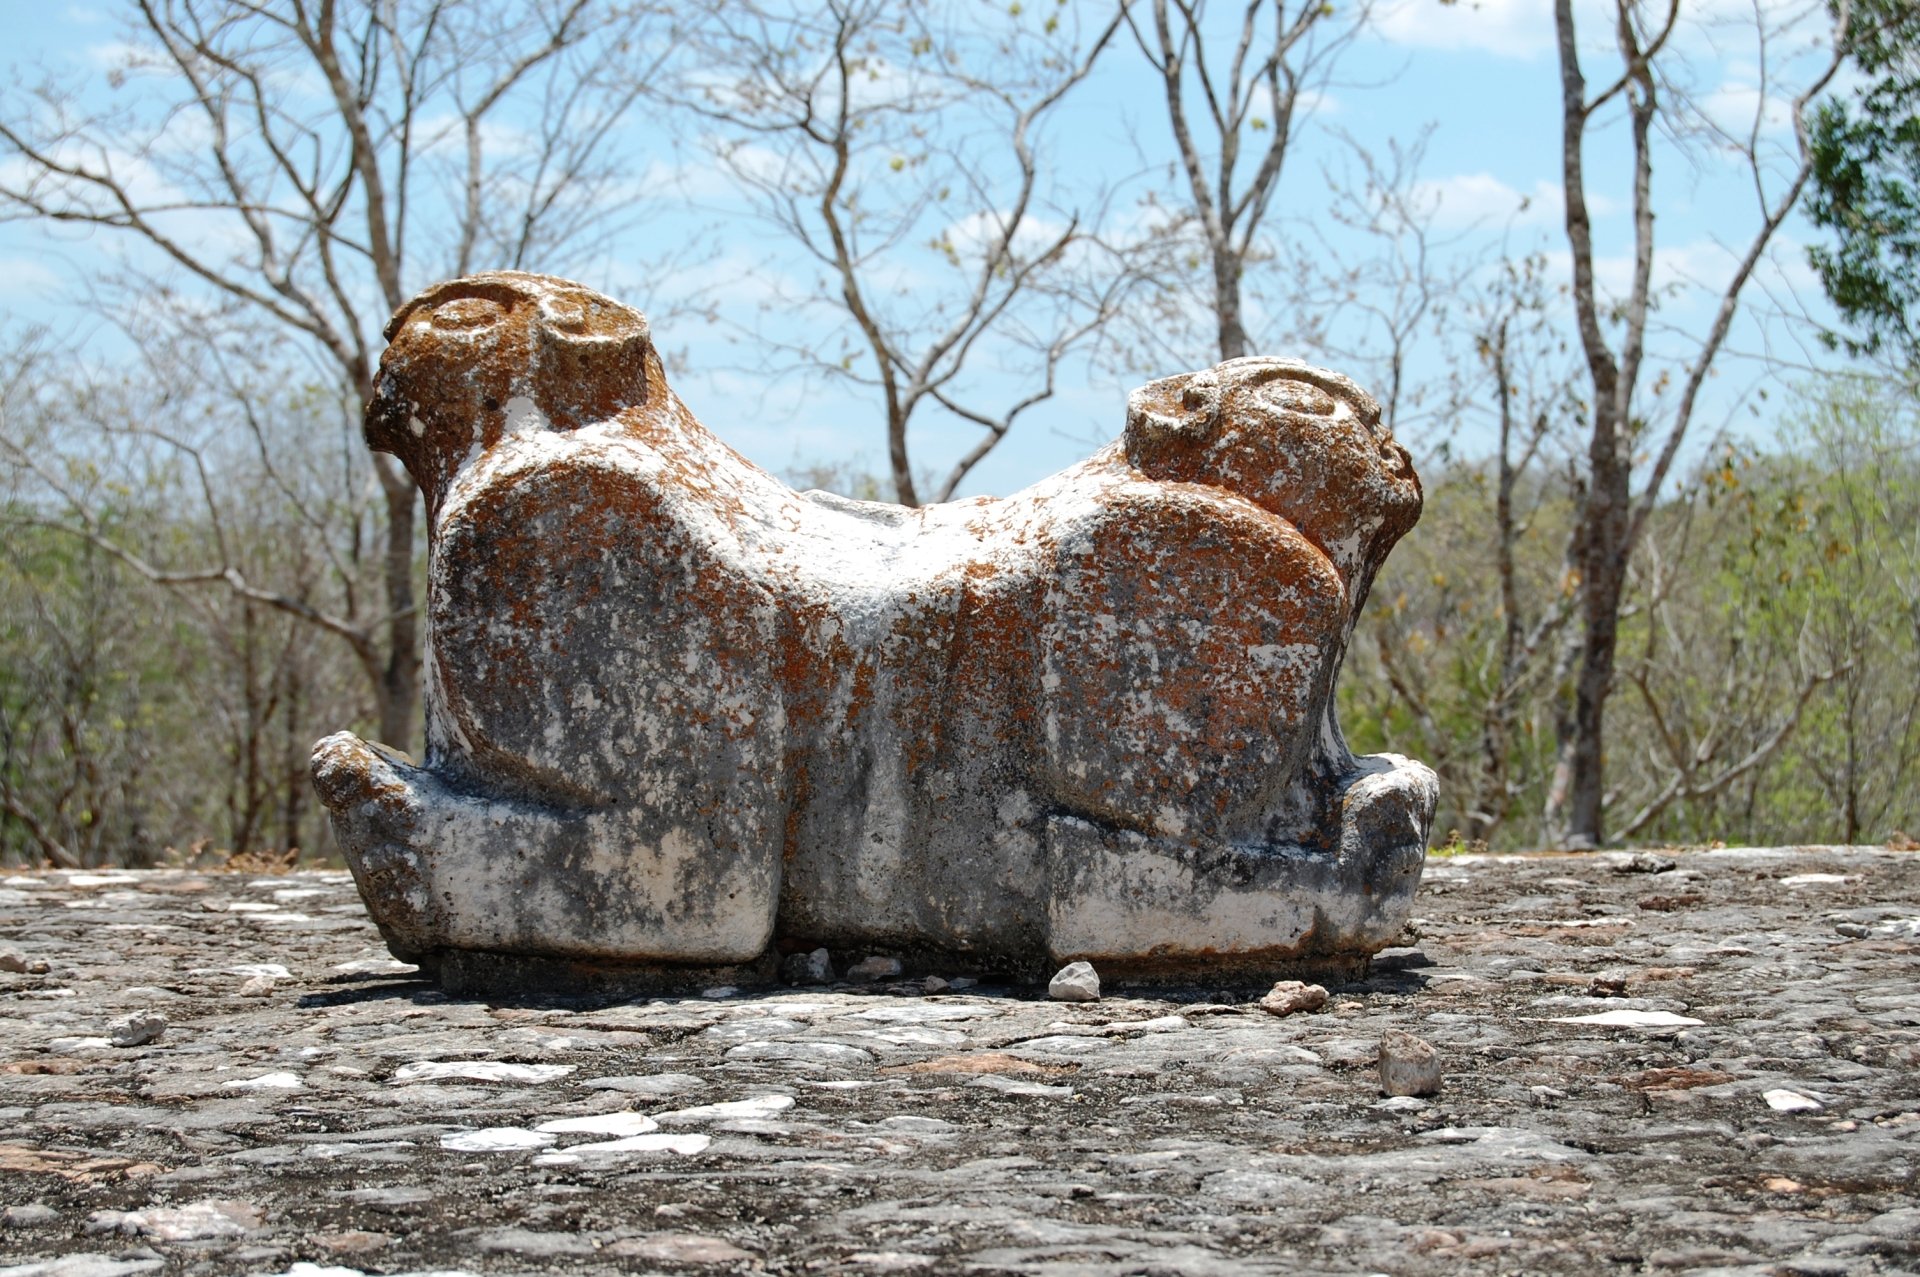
(1747, 1101)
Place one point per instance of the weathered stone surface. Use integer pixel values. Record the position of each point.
(1166, 1130)
(1075, 982)
(1290, 996)
(808, 968)
(675, 709)
(138, 1029)
(874, 967)
(1408, 1065)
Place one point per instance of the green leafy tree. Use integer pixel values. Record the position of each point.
(1866, 186)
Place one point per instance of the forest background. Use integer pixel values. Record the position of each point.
(1634, 281)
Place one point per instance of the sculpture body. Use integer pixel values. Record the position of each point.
(677, 712)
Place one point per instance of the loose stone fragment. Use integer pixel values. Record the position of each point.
(138, 1029)
(934, 984)
(1075, 982)
(13, 960)
(1645, 862)
(808, 968)
(259, 986)
(1290, 996)
(1408, 1065)
(874, 968)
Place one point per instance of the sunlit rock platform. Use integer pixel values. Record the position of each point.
(1708, 1066)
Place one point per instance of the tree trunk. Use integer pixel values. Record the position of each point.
(1603, 577)
(1227, 268)
(1586, 752)
(399, 690)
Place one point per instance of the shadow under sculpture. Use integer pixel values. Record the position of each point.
(679, 715)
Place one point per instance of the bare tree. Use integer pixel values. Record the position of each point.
(1235, 120)
(1717, 701)
(296, 167)
(1627, 407)
(1467, 621)
(902, 149)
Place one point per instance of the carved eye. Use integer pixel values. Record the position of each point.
(585, 315)
(568, 314)
(463, 314)
(1299, 396)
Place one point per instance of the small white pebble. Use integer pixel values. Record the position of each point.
(601, 1124)
(265, 1082)
(1075, 982)
(495, 1139)
(1784, 1101)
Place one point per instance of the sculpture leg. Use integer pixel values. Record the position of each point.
(1180, 906)
(440, 869)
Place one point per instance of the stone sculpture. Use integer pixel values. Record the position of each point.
(680, 715)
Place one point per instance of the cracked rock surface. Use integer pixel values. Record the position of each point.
(1708, 1068)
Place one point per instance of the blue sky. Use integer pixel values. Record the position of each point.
(1478, 81)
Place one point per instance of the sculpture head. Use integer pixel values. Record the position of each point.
(1302, 442)
(473, 359)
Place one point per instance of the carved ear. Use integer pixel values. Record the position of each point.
(1171, 420)
(590, 358)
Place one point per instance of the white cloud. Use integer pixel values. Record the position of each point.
(1468, 200)
(28, 279)
(445, 133)
(1481, 199)
(1510, 28)
(144, 183)
(1689, 276)
(123, 55)
(971, 235)
(1524, 28)
(1734, 106)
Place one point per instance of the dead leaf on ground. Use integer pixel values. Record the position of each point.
(1680, 1079)
(81, 1168)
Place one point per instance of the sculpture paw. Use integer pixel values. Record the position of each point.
(378, 819)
